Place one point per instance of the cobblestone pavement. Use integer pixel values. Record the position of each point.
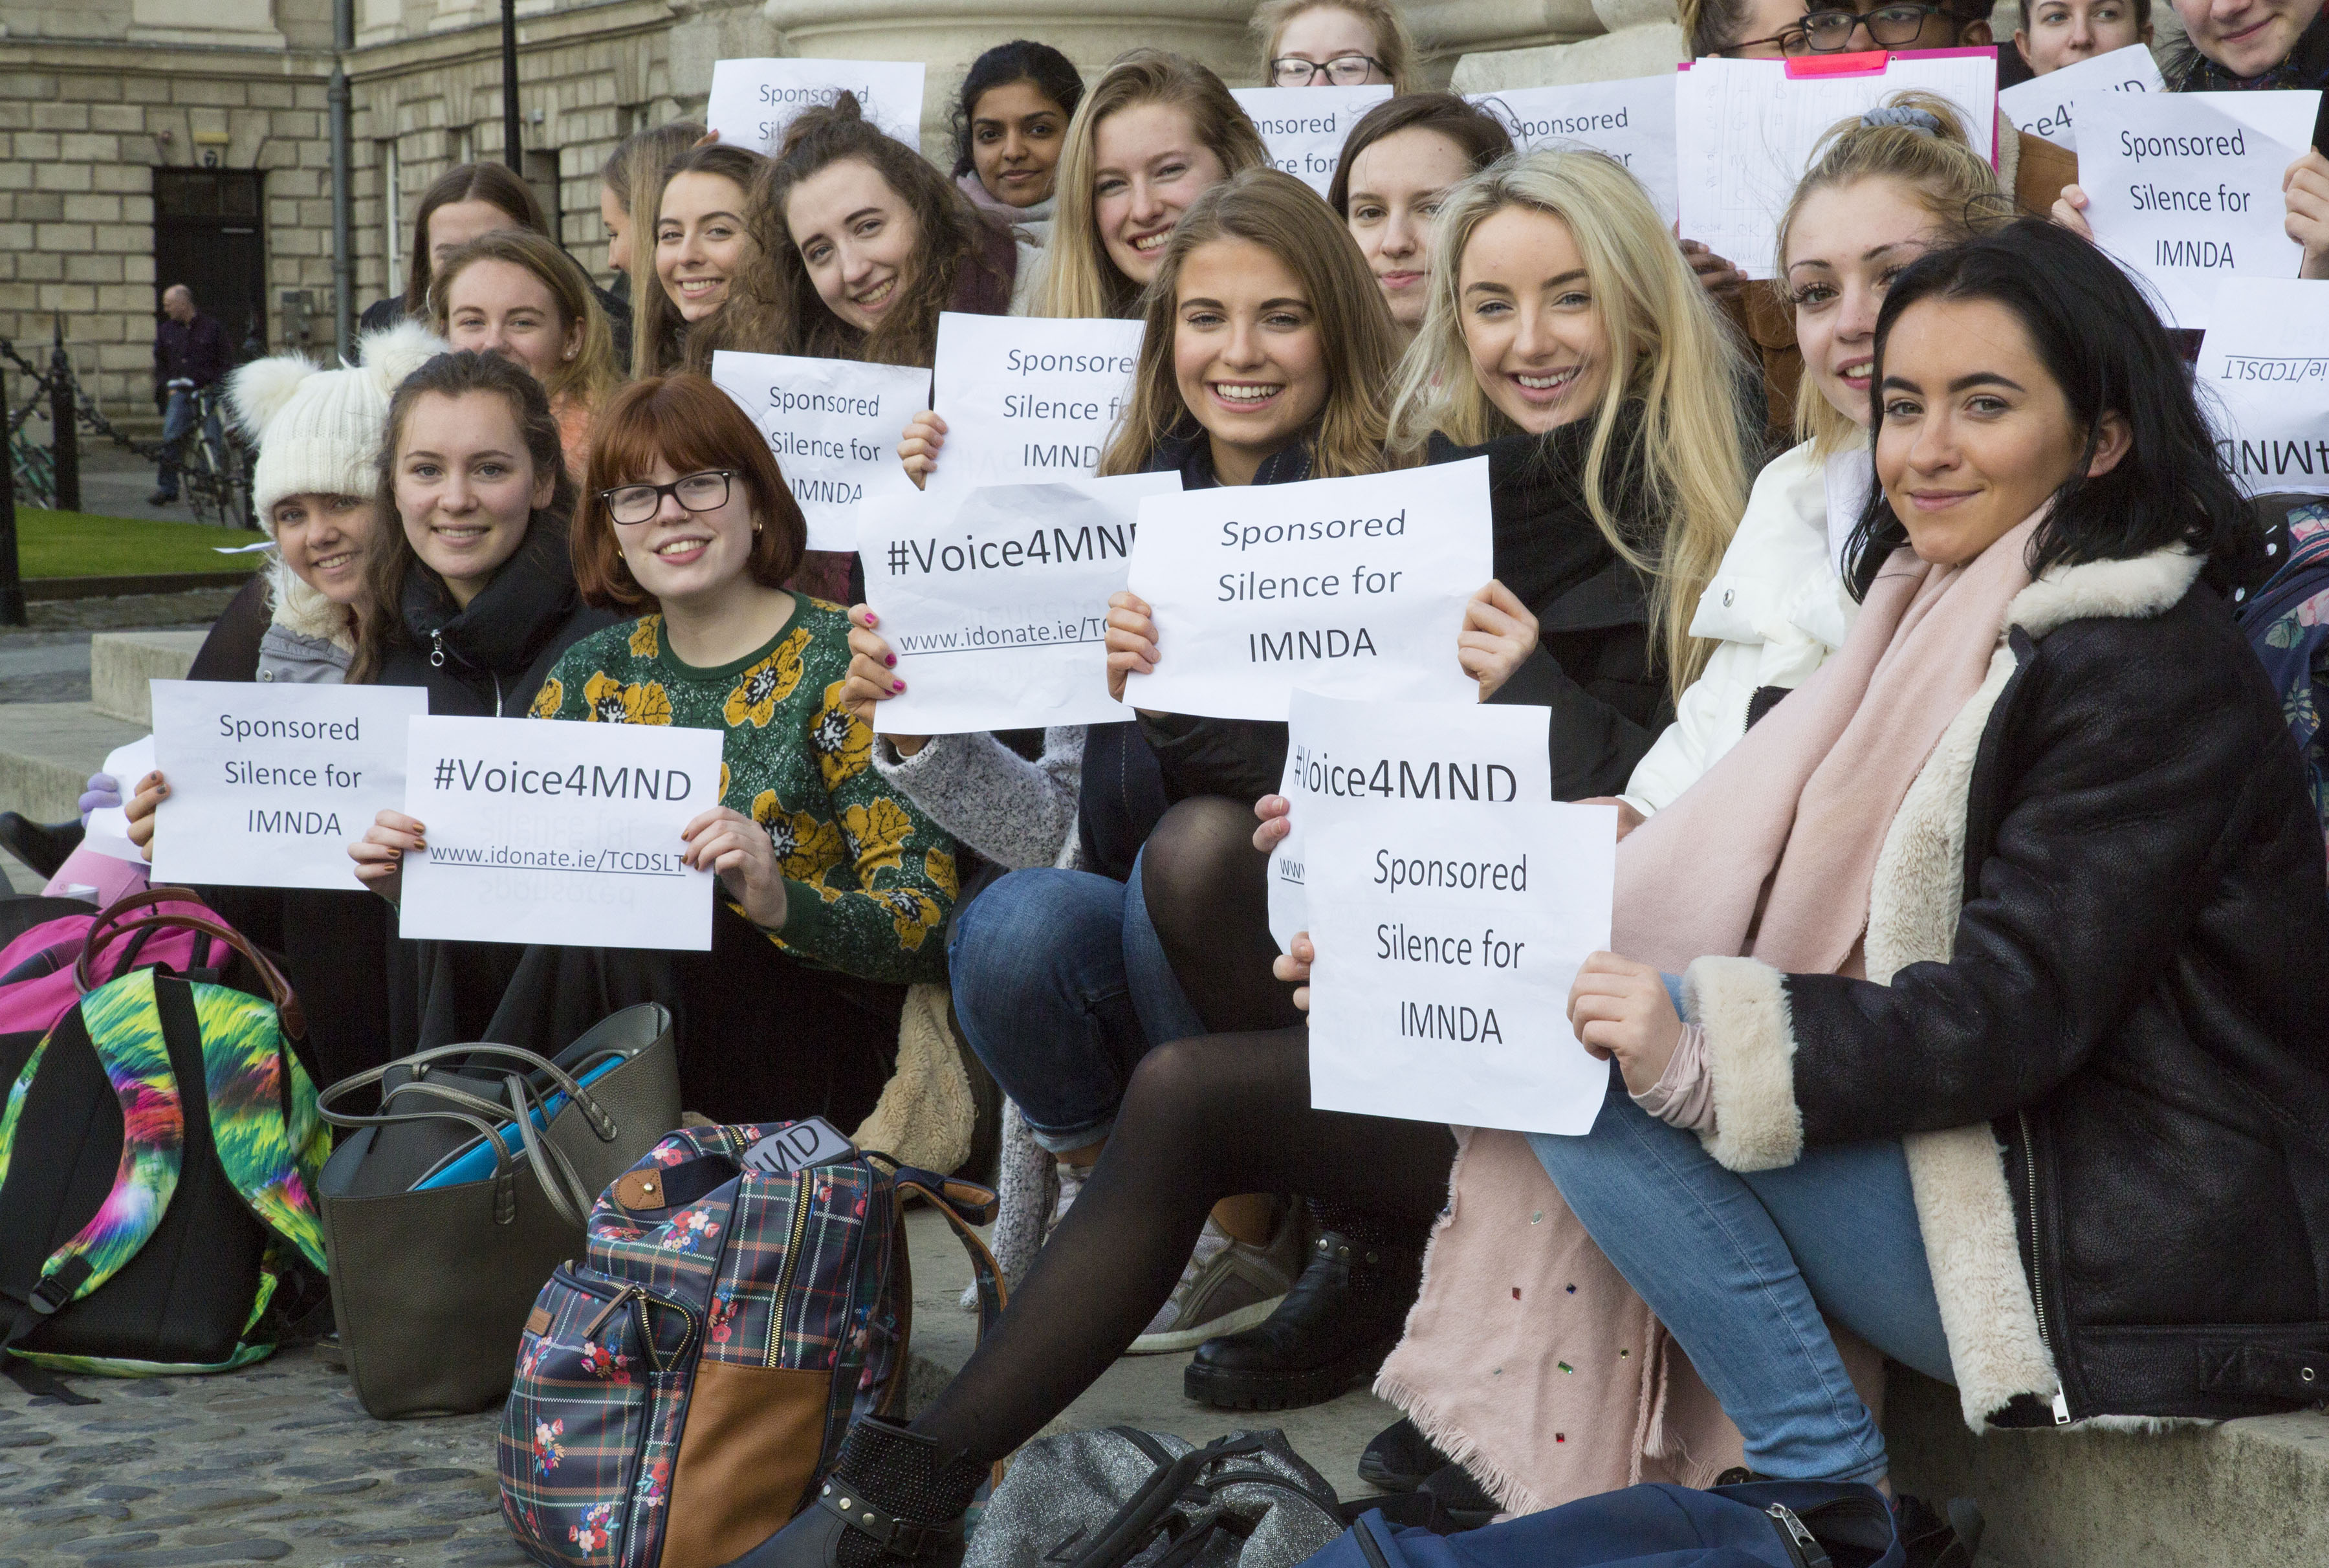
(274, 1464)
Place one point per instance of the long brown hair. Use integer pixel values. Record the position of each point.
(1285, 217)
(488, 182)
(656, 325)
(776, 310)
(1079, 279)
(390, 561)
(686, 422)
(584, 380)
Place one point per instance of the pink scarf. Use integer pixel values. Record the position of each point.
(1527, 1357)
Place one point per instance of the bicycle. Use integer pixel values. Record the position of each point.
(215, 473)
(35, 470)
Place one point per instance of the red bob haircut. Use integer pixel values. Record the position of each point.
(686, 423)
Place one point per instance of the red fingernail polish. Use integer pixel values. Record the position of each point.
(872, 619)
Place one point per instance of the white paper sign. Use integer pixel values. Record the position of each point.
(833, 425)
(2045, 105)
(1027, 399)
(270, 783)
(556, 832)
(1633, 121)
(1353, 587)
(1304, 127)
(753, 101)
(996, 605)
(1343, 755)
(1447, 938)
(2183, 189)
(1744, 133)
(108, 833)
(2264, 381)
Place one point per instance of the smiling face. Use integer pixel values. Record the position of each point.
(2247, 37)
(1535, 331)
(700, 240)
(1977, 434)
(1148, 166)
(1846, 244)
(456, 223)
(619, 228)
(2060, 33)
(1015, 137)
(1397, 184)
(323, 540)
(1245, 353)
(857, 236)
(464, 487)
(499, 307)
(1325, 33)
(687, 559)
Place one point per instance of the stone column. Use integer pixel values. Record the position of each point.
(1617, 39)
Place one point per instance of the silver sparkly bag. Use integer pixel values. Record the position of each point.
(1124, 1499)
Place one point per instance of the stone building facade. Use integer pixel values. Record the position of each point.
(194, 136)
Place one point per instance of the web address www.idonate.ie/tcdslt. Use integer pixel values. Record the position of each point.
(609, 862)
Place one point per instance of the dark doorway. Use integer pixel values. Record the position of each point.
(210, 234)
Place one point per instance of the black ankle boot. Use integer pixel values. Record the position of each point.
(44, 847)
(893, 1497)
(1330, 1334)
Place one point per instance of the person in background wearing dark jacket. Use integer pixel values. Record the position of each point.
(476, 600)
(190, 353)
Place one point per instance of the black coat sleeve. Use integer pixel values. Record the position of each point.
(1593, 746)
(1243, 758)
(231, 652)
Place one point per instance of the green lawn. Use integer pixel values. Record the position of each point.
(79, 544)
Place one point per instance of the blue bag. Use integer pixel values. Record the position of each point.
(1759, 1525)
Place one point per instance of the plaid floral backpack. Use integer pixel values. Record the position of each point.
(747, 1293)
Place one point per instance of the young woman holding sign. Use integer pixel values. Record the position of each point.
(1010, 122)
(519, 295)
(833, 887)
(1398, 164)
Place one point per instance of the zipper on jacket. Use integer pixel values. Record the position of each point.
(2038, 1269)
(437, 650)
(778, 1306)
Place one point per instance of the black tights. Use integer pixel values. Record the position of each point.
(1208, 896)
(1202, 1120)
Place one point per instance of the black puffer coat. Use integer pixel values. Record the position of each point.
(488, 658)
(2136, 1002)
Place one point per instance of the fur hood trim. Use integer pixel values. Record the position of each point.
(2149, 585)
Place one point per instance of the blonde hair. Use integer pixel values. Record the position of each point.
(1684, 458)
(590, 377)
(1079, 279)
(1953, 183)
(1394, 45)
(1355, 333)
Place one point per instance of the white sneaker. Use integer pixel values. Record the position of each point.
(1226, 1286)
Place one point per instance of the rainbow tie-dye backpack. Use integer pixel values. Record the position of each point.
(158, 1151)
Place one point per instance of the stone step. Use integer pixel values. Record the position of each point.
(120, 663)
(48, 749)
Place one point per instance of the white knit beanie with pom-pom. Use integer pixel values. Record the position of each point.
(319, 432)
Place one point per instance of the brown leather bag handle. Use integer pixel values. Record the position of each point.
(111, 925)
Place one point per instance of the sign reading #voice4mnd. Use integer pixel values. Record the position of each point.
(560, 833)
(833, 426)
(1350, 587)
(2047, 106)
(753, 101)
(1447, 938)
(1027, 399)
(1302, 128)
(2183, 189)
(269, 784)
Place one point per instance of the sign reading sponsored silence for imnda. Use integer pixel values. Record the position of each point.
(1304, 127)
(2264, 380)
(996, 607)
(1351, 587)
(2183, 188)
(1632, 121)
(560, 833)
(1344, 754)
(1027, 399)
(833, 425)
(753, 101)
(269, 784)
(1447, 937)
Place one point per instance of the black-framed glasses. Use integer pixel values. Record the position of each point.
(1343, 70)
(704, 491)
(1888, 27)
(1790, 41)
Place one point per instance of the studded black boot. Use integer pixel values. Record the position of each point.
(894, 1496)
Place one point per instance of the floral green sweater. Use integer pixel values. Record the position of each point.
(869, 880)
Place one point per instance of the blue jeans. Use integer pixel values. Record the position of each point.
(1062, 987)
(177, 423)
(1739, 1267)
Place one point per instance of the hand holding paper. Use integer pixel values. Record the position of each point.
(1621, 1009)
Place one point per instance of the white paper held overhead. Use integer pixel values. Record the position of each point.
(1353, 587)
(1304, 127)
(1027, 399)
(1447, 937)
(2047, 106)
(1631, 120)
(833, 425)
(560, 833)
(753, 101)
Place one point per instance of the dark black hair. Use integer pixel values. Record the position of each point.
(2103, 343)
(1021, 60)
